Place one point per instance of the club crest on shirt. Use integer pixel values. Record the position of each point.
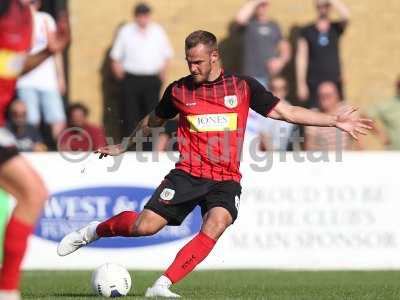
(167, 194)
(231, 101)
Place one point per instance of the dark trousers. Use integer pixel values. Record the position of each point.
(140, 96)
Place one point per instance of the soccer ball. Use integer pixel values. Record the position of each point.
(111, 280)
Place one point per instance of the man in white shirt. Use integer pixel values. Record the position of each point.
(41, 88)
(140, 56)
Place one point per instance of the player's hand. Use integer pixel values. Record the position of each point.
(349, 121)
(59, 40)
(112, 150)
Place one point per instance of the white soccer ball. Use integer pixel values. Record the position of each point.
(111, 280)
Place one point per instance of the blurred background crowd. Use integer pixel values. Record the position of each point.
(304, 67)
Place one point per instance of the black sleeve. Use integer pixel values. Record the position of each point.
(339, 27)
(166, 109)
(261, 100)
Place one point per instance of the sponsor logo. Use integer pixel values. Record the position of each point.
(11, 63)
(231, 101)
(213, 122)
(167, 194)
(70, 210)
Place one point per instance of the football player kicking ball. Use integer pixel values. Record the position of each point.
(16, 176)
(213, 108)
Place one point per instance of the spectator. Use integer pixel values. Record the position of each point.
(275, 134)
(265, 51)
(28, 137)
(140, 57)
(327, 138)
(80, 134)
(271, 135)
(41, 88)
(389, 114)
(318, 57)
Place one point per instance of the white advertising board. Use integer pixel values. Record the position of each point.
(295, 215)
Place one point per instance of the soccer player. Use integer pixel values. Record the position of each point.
(213, 108)
(16, 176)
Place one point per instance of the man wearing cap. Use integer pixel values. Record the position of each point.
(140, 56)
(318, 57)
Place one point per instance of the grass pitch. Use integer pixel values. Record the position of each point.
(270, 285)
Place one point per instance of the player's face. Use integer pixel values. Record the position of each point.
(200, 60)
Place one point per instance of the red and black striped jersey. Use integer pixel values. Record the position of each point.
(212, 122)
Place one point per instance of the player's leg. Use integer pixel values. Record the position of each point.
(19, 179)
(126, 224)
(219, 209)
(130, 223)
(193, 253)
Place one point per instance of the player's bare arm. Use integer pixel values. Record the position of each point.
(347, 120)
(144, 126)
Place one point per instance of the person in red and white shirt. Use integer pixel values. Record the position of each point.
(212, 108)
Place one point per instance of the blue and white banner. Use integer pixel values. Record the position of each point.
(294, 214)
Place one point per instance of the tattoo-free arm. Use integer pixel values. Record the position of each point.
(346, 120)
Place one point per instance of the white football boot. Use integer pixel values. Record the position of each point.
(10, 295)
(77, 239)
(161, 289)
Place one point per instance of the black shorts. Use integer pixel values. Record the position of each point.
(6, 153)
(179, 193)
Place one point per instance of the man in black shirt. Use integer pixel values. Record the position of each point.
(318, 57)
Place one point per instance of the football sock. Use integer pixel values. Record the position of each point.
(190, 256)
(15, 242)
(119, 225)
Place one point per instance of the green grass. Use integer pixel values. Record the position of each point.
(270, 285)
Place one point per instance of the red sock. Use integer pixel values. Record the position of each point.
(15, 241)
(189, 257)
(119, 225)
